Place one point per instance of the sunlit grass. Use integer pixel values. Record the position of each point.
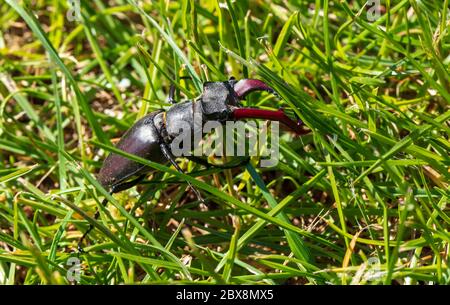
(362, 199)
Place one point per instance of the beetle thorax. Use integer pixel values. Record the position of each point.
(182, 117)
(216, 100)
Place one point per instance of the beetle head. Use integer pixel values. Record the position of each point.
(220, 98)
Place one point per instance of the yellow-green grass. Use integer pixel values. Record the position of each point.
(361, 199)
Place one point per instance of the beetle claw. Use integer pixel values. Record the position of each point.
(279, 115)
(245, 86)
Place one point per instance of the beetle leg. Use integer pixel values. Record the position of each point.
(169, 156)
(115, 189)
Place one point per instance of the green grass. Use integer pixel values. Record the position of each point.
(361, 199)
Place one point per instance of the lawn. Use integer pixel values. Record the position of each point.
(360, 199)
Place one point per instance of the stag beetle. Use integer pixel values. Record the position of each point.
(150, 137)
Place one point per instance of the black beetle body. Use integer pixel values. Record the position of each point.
(159, 128)
(151, 136)
(141, 140)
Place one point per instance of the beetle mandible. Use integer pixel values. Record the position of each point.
(150, 137)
